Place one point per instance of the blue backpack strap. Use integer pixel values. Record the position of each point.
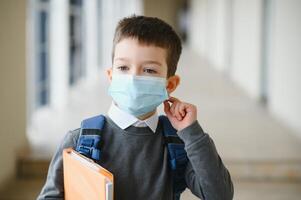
(90, 137)
(177, 156)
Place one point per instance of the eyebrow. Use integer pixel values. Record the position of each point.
(145, 62)
(152, 62)
(122, 59)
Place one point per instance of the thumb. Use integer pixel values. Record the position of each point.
(167, 109)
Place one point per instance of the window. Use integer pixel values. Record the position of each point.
(42, 54)
(76, 46)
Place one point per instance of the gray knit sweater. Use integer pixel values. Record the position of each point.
(138, 159)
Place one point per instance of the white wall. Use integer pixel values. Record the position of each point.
(210, 31)
(258, 44)
(246, 55)
(217, 28)
(285, 62)
(12, 84)
(197, 31)
(227, 35)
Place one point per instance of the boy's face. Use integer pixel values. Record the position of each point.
(134, 58)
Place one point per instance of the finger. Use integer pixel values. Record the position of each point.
(189, 108)
(182, 109)
(172, 109)
(167, 108)
(173, 99)
(177, 111)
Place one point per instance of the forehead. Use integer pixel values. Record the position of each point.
(132, 49)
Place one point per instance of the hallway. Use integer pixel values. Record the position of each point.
(240, 66)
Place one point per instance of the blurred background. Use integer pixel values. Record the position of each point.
(241, 66)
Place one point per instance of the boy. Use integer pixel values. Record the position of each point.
(145, 54)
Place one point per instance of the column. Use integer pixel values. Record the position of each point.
(59, 52)
(90, 38)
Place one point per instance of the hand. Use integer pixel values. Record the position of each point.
(180, 114)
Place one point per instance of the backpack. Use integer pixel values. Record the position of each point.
(90, 138)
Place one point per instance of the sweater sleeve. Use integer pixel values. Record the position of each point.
(54, 185)
(206, 176)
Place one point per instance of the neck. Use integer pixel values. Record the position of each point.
(147, 115)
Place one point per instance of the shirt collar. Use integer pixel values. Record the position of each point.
(124, 119)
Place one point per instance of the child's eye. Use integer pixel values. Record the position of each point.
(123, 68)
(150, 71)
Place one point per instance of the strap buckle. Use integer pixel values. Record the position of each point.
(88, 145)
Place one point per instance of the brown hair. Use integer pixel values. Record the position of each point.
(151, 31)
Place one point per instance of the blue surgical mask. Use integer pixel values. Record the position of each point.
(138, 95)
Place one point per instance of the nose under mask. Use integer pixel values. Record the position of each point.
(137, 95)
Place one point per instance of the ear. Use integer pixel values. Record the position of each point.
(109, 72)
(172, 83)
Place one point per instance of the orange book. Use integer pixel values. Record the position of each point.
(85, 179)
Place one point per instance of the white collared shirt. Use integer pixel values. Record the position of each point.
(124, 119)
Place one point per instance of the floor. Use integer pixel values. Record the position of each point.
(29, 189)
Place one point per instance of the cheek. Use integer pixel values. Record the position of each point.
(165, 72)
(162, 73)
(116, 71)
